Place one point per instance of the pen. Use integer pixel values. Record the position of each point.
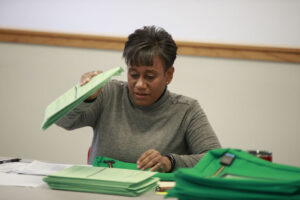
(10, 160)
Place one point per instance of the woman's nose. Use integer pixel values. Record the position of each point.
(140, 83)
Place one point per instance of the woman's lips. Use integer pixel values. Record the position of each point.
(141, 95)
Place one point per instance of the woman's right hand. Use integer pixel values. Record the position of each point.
(85, 78)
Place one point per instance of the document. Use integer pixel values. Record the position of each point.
(32, 168)
(12, 167)
(41, 168)
(11, 179)
(28, 174)
(103, 180)
(74, 96)
(165, 185)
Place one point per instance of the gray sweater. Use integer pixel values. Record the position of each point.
(124, 131)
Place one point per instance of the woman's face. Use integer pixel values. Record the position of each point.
(147, 83)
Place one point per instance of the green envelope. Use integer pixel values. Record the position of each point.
(103, 180)
(100, 162)
(74, 96)
(248, 177)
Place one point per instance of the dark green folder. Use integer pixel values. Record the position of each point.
(248, 177)
(100, 162)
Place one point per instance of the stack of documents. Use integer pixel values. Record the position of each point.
(74, 96)
(103, 180)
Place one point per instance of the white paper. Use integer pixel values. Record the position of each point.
(11, 179)
(27, 174)
(33, 168)
(41, 168)
(166, 184)
(12, 167)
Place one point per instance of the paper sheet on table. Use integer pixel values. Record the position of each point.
(32, 168)
(74, 96)
(26, 173)
(12, 167)
(11, 179)
(41, 168)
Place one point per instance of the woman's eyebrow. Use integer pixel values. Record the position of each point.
(132, 69)
(151, 71)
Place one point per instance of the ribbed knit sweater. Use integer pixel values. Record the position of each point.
(174, 124)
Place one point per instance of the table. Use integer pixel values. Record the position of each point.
(45, 193)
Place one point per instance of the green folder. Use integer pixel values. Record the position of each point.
(100, 162)
(248, 177)
(74, 96)
(103, 180)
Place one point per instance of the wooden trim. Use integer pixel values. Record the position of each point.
(62, 39)
(280, 54)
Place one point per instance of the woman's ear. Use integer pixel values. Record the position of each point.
(169, 75)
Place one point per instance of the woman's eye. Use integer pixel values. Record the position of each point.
(134, 75)
(149, 77)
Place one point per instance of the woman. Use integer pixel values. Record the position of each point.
(141, 120)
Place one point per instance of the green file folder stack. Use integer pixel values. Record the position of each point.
(74, 96)
(103, 180)
(248, 177)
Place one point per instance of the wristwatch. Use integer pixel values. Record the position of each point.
(172, 160)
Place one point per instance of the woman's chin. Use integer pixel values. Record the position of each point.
(142, 102)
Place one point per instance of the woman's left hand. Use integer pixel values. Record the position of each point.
(154, 160)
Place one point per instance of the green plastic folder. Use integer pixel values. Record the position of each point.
(248, 177)
(74, 96)
(103, 180)
(100, 162)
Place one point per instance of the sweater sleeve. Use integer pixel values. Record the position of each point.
(200, 137)
(81, 116)
(86, 114)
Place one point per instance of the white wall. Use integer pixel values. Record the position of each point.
(250, 104)
(254, 22)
